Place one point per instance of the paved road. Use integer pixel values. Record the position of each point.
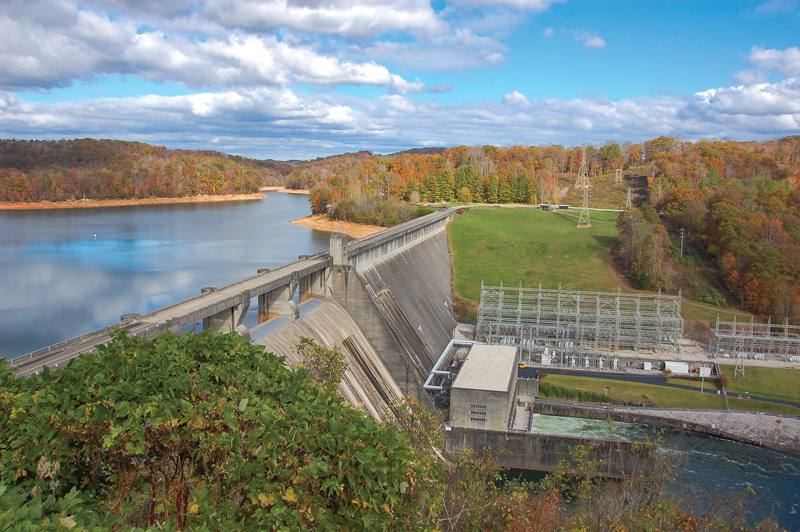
(160, 316)
(657, 380)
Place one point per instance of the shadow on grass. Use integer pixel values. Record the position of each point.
(605, 241)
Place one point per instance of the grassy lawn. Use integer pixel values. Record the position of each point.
(695, 310)
(531, 246)
(776, 383)
(665, 397)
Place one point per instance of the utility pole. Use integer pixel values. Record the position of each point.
(683, 233)
(583, 182)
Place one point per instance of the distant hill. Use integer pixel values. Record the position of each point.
(419, 151)
(34, 170)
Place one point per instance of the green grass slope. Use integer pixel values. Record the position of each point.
(777, 383)
(530, 246)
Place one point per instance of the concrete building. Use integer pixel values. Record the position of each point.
(483, 392)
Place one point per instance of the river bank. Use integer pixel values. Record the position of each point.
(321, 222)
(780, 433)
(93, 204)
(284, 190)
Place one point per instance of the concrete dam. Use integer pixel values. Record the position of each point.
(387, 305)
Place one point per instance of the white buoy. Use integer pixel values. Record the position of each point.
(95, 236)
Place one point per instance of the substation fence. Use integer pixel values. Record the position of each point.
(547, 323)
(758, 341)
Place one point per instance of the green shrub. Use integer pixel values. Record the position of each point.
(583, 396)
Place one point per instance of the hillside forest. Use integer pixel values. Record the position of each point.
(738, 202)
(32, 171)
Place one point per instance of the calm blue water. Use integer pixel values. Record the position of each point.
(57, 281)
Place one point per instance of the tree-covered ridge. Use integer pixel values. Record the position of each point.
(536, 174)
(72, 169)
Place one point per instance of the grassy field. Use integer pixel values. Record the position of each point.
(532, 247)
(776, 383)
(665, 397)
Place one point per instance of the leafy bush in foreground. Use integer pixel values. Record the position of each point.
(200, 432)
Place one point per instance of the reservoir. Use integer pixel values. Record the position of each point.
(66, 272)
(59, 281)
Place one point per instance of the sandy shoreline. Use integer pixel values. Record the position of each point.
(284, 190)
(323, 223)
(89, 204)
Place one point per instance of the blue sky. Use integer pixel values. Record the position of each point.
(288, 79)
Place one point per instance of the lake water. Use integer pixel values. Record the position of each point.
(58, 281)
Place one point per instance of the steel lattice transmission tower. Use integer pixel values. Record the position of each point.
(618, 176)
(628, 200)
(583, 182)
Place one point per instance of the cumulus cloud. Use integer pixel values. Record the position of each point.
(51, 50)
(360, 18)
(589, 40)
(787, 62)
(457, 51)
(516, 98)
(278, 122)
(535, 5)
(547, 33)
(749, 77)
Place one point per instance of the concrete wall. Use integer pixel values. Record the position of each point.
(347, 290)
(538, 452)
(497, 408)
(367, 384)
(397, 287)
(527, 387)
(413, 290)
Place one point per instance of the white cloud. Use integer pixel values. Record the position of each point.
(46, 51)
(516, 98)
(749, 77)
(787, 62)
(457, 51)
(281, 123)
(360, 18)
(536, 5)
(548, 33)
(589, 40)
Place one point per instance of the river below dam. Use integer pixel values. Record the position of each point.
(67, 272)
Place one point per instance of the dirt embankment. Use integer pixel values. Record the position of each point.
(284, 189)
(323, 223)
(89, 203)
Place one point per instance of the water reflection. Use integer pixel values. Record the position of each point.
(58, 281)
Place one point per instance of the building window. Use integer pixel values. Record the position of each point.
(478, 413)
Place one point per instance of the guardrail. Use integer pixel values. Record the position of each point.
(61, 346)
